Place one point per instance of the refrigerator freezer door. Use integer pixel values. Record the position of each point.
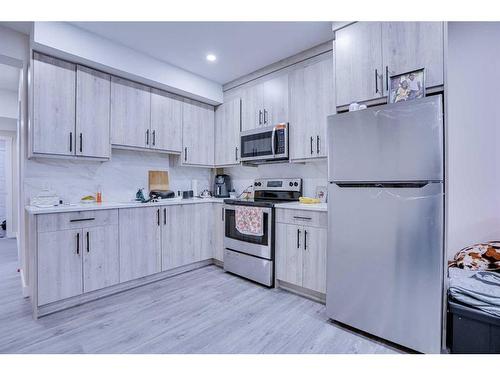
(385, 257)
(394, 142)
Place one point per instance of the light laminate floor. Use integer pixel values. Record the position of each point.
(203, 311)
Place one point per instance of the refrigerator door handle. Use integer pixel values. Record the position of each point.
(383, 185)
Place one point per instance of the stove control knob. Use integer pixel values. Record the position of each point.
(291, 183)
(295, 184)
(256, 183)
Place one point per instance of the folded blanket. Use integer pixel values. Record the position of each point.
(479, 289)
(250, 220)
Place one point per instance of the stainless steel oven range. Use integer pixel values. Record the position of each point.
(252, 256)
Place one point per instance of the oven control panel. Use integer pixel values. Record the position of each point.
(278, 184)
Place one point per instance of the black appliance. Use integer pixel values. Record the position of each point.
(222, 186)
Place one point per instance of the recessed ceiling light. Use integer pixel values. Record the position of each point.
(211, 57)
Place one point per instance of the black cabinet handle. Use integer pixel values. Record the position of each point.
(222, 215)
(165, 216)
(147, 137)
(305, 240)
(376, 81)
(311, 145)
(70, 141)
(236, 153)
(185, 153)
(78, 243)
(298, 238)
(154, 137)
(81, 142)
(260, 117)
(86, 219)
(317, 144)
(302, 218)
(88, 242)
(265, 116)
(158, 217)
(387, 79)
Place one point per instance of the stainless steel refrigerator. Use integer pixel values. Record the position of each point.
(385, 222)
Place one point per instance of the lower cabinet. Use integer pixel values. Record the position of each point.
(301, 255)
(77, 253)
(186, 234)
(140, 242)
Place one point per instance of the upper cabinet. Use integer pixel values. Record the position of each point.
(53, 106)
(92, 113)
(198, 126)
(227, 133)
(130, 114)
(311, 101)
(367, 54)
(265, 103)
(166, 121)
(409, 46)
(358, 62)
(70, 109)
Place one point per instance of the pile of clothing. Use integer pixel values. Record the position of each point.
(474, 277)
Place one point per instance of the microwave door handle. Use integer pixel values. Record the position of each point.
(273, 141)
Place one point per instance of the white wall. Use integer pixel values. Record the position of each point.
(473, 134)
(66, 40)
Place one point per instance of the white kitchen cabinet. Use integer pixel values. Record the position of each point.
(311, 101)
(92, 113)
(198, 127)
(227, 133)
(409, 46)
(219, 228)
(101, 257)
(53, 106)
(252, 104)
(166, 121)
(265, 103)
(301, 248)
(358, 63)
(130, 114)
(59, 265)
(202, 226)
(140, 242)
(314, 259)
(289, 253)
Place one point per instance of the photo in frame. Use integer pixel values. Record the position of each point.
(407, 86)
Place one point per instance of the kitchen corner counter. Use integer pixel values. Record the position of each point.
(34, 210)
(321, 207)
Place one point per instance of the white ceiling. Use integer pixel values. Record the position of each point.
(240, 47)
(9, 78)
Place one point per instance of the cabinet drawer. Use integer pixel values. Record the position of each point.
(301, 217)
(75, 220)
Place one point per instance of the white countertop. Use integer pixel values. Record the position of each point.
(303, 206)
(34, 210)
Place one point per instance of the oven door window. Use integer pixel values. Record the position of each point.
(257, 145)
(232, 232)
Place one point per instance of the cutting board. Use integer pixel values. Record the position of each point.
(158, 181)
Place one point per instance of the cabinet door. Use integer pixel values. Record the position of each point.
(276, 100)
(289, 253)
(178, 237)
(140, 252)
(311, 101)
(198, 133)
(314, 259)
(252, 107)
(59, 265)
(218, 217)
(93, 90)
(101, 258)
(202, 227)
(409, 46)
(53, 106)
(358, 62)
(227, 133)
(166, 121)
(130, 113)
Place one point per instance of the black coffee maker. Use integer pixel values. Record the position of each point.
(222, 186)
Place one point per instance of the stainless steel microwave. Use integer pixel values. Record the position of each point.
(265, 144)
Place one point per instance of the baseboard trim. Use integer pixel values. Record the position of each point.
(115, 289)
(301, 291)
